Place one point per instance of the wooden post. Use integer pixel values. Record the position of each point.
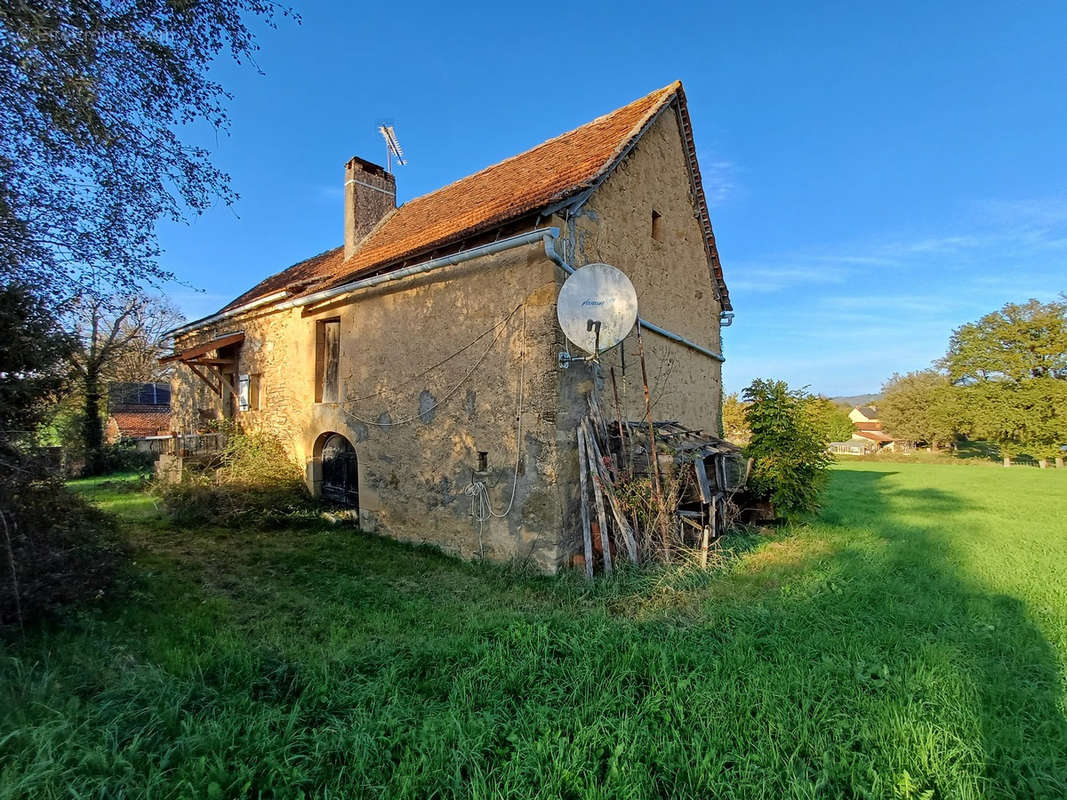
(618, 419)
(616, 510)
(601, 514)
(587, 536)
(653, 453)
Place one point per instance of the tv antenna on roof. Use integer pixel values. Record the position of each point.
(392, 147)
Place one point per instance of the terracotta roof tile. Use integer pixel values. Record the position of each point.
(136, 424)
(875, 436)
(868, 426)
(532, 180)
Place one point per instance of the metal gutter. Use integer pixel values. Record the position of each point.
(550, 251)
(531, 237)
(233, 312)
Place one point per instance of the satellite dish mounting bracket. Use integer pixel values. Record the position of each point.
(565, 358)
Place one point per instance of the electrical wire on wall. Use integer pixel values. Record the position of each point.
(481, 504)
(500, 327)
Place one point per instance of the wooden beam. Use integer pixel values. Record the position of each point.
(587, 538)
(212, 362)
(223, 380)
(203, 349)
(216, 389)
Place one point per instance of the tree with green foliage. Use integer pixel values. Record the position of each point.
(788, 449)
(734, 427)
(1016, 343)
(921, 407)
(33, 357)
(1010, 369)
(830, 419)
(1023, 417)
(93, 96)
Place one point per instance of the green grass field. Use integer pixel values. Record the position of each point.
(909, 644)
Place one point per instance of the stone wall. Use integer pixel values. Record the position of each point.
(674, 284)
(675, 290)
(417, 428)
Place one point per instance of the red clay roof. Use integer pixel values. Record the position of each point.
(874, 436)
(137, 424)
(550, 172)
(867, 426)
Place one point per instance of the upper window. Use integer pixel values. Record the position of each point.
(327, 354)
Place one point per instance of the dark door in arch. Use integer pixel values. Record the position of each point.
(340, 483)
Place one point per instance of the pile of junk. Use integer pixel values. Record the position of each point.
(657, 491)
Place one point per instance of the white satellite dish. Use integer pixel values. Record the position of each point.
(597, 307)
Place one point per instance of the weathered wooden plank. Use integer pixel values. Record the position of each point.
(598, 497)
(587, 535)
(616, 509)
(693, 524)
(702, 481)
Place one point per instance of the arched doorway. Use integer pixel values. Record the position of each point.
(340, 476)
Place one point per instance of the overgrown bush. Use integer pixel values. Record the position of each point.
(251, 481)
(125, 457)
(56, 548)
(787, 447)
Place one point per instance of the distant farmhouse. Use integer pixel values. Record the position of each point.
(420, 363)
(867, 434)
(137, 411)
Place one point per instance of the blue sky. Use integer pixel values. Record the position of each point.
(878, 174)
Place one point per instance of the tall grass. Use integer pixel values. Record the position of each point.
(910, 643)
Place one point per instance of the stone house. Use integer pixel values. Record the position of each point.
(420, 360)
(867, 429)
(864, 414)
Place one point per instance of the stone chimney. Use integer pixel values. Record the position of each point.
(370, 194)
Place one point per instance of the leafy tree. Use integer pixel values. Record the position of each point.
(921, 406)
(120, 342)
(787, 448)
(829, 419)
(1026, 417)
(734, 425)
(33, 355)
(1011, 370)
(1018, 342)
(93, 94)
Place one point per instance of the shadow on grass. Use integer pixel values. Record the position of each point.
(916, 592)
(858, 657)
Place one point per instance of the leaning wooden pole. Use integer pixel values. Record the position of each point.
(587, 535)
(606, 486)
(598, 496)
(653, 453)
(618, 418)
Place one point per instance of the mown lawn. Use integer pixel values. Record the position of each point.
(909, 644)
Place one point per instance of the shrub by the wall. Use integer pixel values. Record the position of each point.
(124, 456)
(252, 481)
(55, 549)
(787, 447)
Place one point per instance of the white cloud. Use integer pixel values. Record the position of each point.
(719, 179)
